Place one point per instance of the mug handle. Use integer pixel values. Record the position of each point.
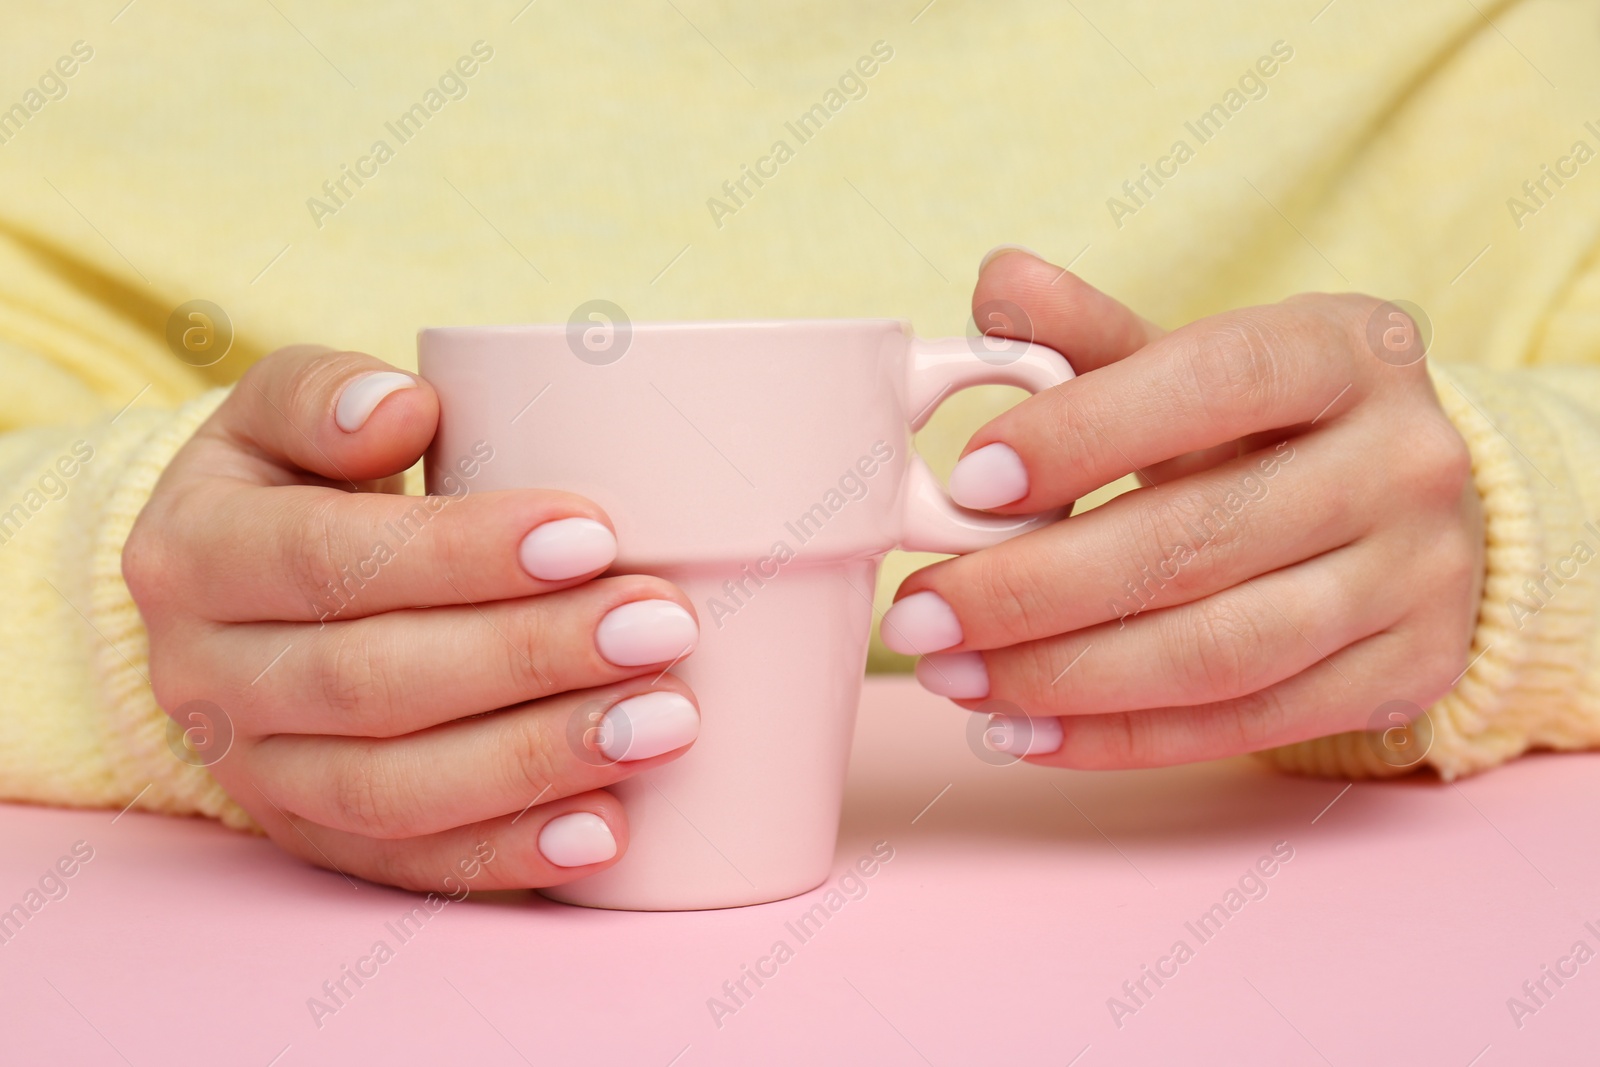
(930, 520)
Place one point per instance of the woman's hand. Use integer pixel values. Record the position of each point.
(354, 638)
(1307, 545)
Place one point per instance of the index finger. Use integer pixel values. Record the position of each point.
(306, 553)
(1211, 382)
(1021, 296)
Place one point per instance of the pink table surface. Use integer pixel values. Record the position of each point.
(1017, 902)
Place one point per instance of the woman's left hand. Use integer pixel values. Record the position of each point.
(1307, 545)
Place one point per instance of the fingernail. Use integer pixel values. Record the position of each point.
(646, 631)
(566, 548)
(1021, 735)
(362, 396)
(576, 840)
(919, 624)
(999, 250)
(954, 675)
(648, 725)
(989, 477)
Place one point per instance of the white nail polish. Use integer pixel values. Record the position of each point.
(565, 548)
(1020, 735)
(646, 631)
(920, 623)
(576, 840)
(989, 478)
(648, 725)
(954, 675)
(362, 397)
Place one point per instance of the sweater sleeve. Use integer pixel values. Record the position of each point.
(79, 725)
(94, 406)
(1533, 680)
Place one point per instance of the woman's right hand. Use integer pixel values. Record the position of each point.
(418, 687)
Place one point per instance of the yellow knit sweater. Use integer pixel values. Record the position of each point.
(346, 173)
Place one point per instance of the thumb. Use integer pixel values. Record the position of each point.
(1020, 295)
(345, 416)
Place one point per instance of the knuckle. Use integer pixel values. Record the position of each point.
(1456, 565)
(1008, 605)
(1128, 741)
(527, 646)
(1258, 721)
(1181, 518)
(1029, 673)
(368, 798)
(1442, 464)
(532, 767)
(455, 542)
(160, 547)
(146, 567)
(351, 686)
(1235, 367)
(1217, 649)
(1123, 742)
(309, 559)
(1069, 433)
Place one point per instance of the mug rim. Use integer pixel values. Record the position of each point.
(674, 325)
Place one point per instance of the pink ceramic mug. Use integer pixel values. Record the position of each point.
(765, 468)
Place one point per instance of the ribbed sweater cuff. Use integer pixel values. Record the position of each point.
(143, 767)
